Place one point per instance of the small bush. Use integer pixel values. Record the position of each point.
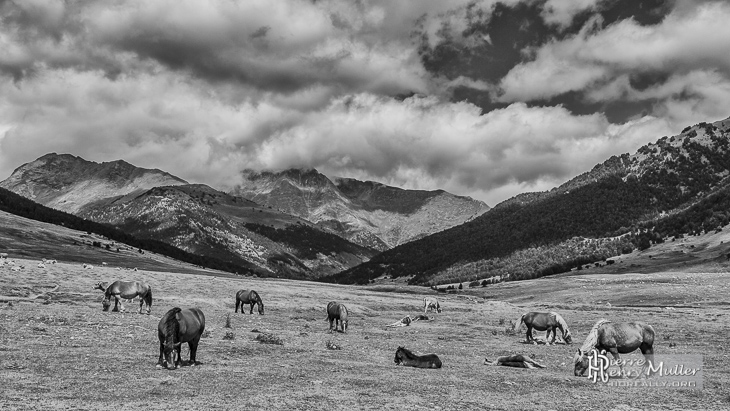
(501, 321)
(228, 320)
(266, 338)
(229, 335)
(333, 346)
(206, 334)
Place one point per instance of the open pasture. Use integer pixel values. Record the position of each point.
(59, 350)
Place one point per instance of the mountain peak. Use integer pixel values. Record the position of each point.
(68, 183)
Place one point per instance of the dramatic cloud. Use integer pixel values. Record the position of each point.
(686, 41)
(368, 89)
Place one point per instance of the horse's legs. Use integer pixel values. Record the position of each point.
(162, 348)
(252, 304)
(118, 304)
(528, 334)
(193, 345)
(555, 333)
(617, 357)
(648, 351)
(238, 302)
(141, 303)
(331, 320)
(179, 356)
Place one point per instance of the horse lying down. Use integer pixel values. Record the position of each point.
(407, 320)
(404, 356)
(517, 361)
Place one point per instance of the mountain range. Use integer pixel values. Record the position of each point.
(299, 224)
(368, 213)
(674, 187)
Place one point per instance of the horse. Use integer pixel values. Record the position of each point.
(337, 312)
(544, 321)
(517, 361)
(249, 297)
(125, 290)
(430, 304)
(176, 327)
(615, 338)
(404, 356)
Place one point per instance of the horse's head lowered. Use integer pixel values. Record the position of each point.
(261, 304)
(581, 363)
(567, 337)
(172, 342)
(399, 354)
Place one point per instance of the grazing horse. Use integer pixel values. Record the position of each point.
(249, 297)
(544, 321)
(337, 312)
(125, 290)
(176, 327)
(430, 304)
(616, 338)
(404, 356)
(517, 361)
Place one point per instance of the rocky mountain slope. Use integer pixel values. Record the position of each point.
(674, 187)
(365, 212)
(68, 183)
(194, 218)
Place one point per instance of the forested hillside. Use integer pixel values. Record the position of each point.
(674, 187)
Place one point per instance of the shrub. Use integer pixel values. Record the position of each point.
(266, 338)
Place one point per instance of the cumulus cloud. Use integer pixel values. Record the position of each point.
(420, 142)
(206, 89)
(684, 41)
(561, 12)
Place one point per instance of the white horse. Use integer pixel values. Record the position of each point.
(430, 304)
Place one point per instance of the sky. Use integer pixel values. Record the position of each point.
(480, 98)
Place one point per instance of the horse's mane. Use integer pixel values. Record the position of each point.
(407, 353)
(562, 322)
(172, 326)
(592, 338)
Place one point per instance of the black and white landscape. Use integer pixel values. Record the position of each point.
(499, 157)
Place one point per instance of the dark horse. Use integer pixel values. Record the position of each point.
(545, 321)
(125, 290)
(404, 356)
(337, 312)
(249, 297)
(515, 360)
(176, 327)
(616, 338)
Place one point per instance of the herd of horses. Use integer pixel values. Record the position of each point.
(180, 326)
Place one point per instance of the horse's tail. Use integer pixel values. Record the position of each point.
(518, 323)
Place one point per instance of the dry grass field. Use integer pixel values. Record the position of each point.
(58, 350)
